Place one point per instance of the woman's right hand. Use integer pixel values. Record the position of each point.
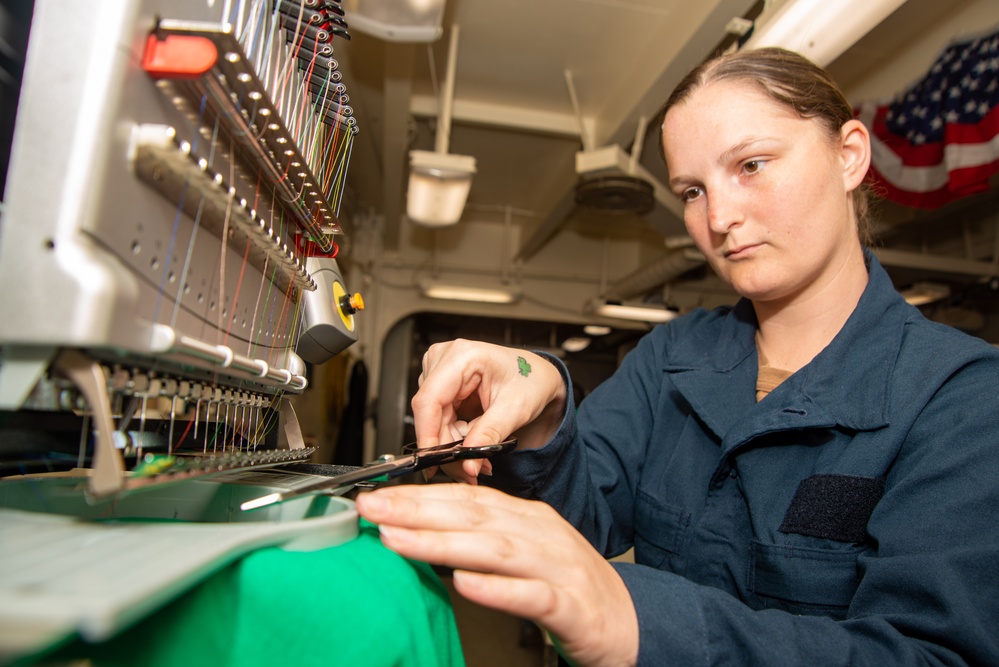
(485, 393)
(518, 556)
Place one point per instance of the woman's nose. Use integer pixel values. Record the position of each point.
(724, 210)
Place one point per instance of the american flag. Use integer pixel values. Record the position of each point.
(939, 140)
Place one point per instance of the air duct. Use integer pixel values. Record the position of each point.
(656, 274)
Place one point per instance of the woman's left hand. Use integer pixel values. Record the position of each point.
(517, 556)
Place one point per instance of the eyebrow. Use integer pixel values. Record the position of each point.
(727, 156)
(678, 181)
(742, 146)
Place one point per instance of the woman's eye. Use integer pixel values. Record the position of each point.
(753, 166)
(690, 194)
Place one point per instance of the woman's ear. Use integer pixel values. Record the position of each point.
(855, 152)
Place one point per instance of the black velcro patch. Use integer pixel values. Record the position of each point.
(835, 507)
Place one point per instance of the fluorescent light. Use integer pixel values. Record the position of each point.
(438, 187)
(921, 294)
(821, 30)
(596, 330)
(466, 293)
(438, 181)
(396, 20)
(640, 313)
(575, 344)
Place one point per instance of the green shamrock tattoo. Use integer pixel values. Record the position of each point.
(525, 368)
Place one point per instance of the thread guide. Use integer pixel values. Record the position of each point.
(239, 101)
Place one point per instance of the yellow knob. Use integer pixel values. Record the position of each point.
(357, 302)
(351, 303)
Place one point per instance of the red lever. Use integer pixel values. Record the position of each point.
(179, 56)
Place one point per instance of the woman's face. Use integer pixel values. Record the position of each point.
(766, 194)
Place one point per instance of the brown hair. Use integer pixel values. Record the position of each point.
(791, 80)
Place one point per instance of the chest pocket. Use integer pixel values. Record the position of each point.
(659, 532)
(804, 580)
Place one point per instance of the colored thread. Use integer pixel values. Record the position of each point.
(187, 264)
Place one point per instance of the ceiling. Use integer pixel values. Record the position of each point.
(538, 81)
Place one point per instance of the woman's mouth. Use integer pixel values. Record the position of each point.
(742, 251)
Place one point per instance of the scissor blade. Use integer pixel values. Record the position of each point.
(380, 471)
(364, 474)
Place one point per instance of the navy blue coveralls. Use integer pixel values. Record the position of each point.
(851, 517)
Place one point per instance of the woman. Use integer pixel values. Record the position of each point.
(808, 477)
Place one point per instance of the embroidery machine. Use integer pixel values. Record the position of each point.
(167, 246)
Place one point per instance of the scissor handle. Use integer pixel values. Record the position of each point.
(454, 451)
(485, 451)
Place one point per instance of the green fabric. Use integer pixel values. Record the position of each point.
(354, 604)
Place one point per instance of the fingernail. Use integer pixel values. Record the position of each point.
(393, 534)
(486, 472)
(466, 580)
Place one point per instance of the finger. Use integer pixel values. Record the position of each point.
(456, 471)
(440, 389)
(425, 436)
(445, 507)
(471, 468)
(452, 432)
(427, 424)
(461, 427)
(434, 422)
(487, 430)
(497, 552)
(466, 471)
(504, 552)
(454, 378)
(460, 495)
(449, 433)
(457, 494)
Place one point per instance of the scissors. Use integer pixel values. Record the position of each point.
(387, 467)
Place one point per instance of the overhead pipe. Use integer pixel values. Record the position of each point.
(584, 134)
(638, 146)
(654, 275)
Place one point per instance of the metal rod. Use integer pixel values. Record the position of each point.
(636, 148)
(583, 134)
(447, 95)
